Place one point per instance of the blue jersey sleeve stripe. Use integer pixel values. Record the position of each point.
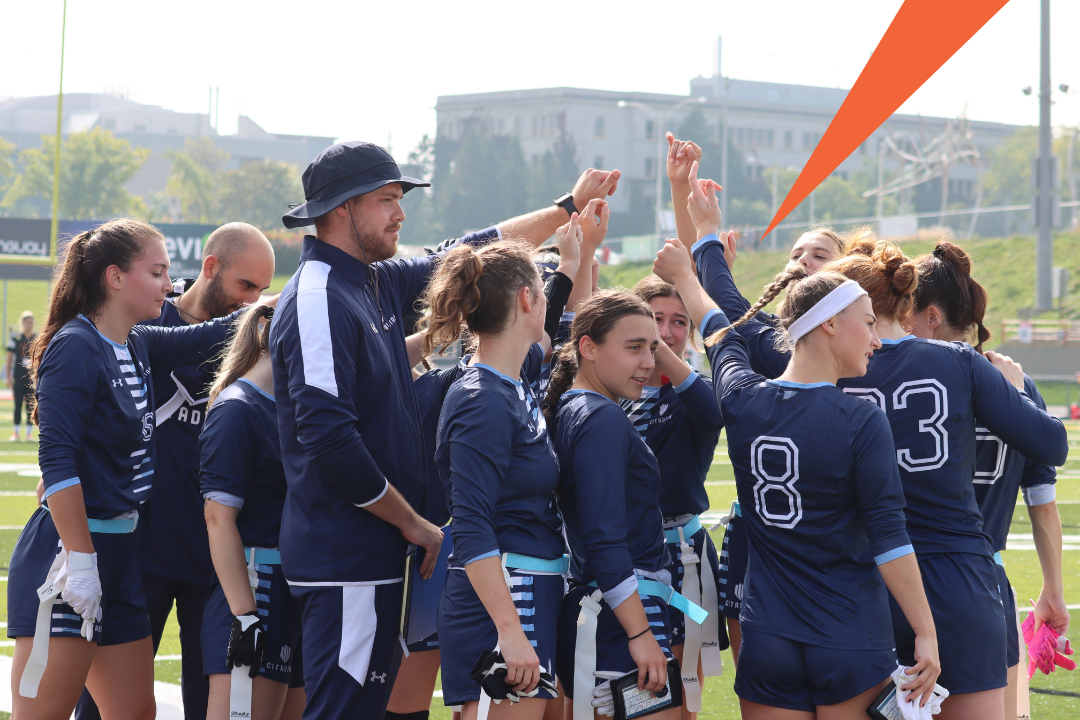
(224, 498)
(62, 485)
(313, 322)
(1039, 494)
(685, 384)
(483, 556)
(893, 554)
(710, 238)
(377, 498)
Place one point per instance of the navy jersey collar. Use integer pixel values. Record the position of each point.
(343, 263)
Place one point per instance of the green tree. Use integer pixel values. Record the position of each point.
(94, 167)
(486, 182)
(421, 226)
(557, 171)
(193, 179)
(7, 167)
(258, 192)
(836, 198)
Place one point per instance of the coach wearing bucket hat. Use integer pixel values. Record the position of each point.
(350, 435)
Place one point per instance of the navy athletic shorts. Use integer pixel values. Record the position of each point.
(431, 642)
(697, 541)
(962, 589)
(124, 617)
(280, 615)
(351, 648)
(784, 673)
(1008, 603)
(612, 644)
(467, 631)
(733, 556)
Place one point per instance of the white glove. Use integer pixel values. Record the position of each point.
(602, 700)
(83, 589)
(909, 705)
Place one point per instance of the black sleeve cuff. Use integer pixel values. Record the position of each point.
(557, 289)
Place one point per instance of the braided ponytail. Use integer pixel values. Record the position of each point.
(790, 274)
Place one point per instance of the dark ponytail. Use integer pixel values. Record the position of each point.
(79, 286)
(595, 318)
(945, 281)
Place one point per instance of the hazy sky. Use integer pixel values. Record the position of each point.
(363, 70)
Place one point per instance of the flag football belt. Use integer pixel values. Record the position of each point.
(701, 639)
(263, 556)
(585, 645)
(120, 525)
(558, 566)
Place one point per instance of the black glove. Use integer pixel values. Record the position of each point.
(247, 643)
(490, 672)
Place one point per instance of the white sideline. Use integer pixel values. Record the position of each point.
(170, 702)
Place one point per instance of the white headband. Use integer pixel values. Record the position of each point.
(841, 296)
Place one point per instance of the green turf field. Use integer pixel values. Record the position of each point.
(17, 504)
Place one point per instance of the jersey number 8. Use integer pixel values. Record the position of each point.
(784, 484)
(933, 425)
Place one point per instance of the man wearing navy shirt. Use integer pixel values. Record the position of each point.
(171, 542)
(350, 434)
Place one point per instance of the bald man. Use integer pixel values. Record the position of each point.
(171, 541)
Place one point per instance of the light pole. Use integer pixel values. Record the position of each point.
(724, 139)
(659, 119)
(1044, 257)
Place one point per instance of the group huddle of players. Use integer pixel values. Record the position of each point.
(268, 468)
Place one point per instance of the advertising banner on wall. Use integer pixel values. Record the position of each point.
(30, 237)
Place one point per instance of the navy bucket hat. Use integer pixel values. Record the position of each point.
(343, 171)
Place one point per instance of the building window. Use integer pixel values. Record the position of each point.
(598, 162)
(768, 138)
(862, 148)
(650, 167)
(788, 139)
(650, 130)
(599, 127)
(810, 140)
(738, 137)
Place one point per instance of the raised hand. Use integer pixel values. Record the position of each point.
(702, 204)
(569, 239)
(594, 225)
(672, 262)
(594, 185)
(681, 155)
(727, 239)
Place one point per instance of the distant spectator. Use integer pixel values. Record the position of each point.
(18, 374)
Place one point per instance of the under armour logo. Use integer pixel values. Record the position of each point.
(117, 382)
(286, 653)
(375, 676)
(663, 409)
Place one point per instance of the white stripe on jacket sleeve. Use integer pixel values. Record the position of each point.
(313, 322)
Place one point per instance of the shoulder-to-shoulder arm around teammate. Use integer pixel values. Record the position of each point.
(1014, 417)
(170, 347)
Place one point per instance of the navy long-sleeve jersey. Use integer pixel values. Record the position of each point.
(1000, 471)
(495, 456)
(821, 500)
(759, 331)
(171, 538)
(96, 408)
(934, 394)
(681, 425)
(240, 460)
(347, 411)
(608, 493)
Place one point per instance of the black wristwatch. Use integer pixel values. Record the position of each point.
(566, 202)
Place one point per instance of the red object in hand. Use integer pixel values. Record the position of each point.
(1046, 648)
(665, 380)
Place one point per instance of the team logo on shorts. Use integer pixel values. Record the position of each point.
(286, 653)
(147, 425)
